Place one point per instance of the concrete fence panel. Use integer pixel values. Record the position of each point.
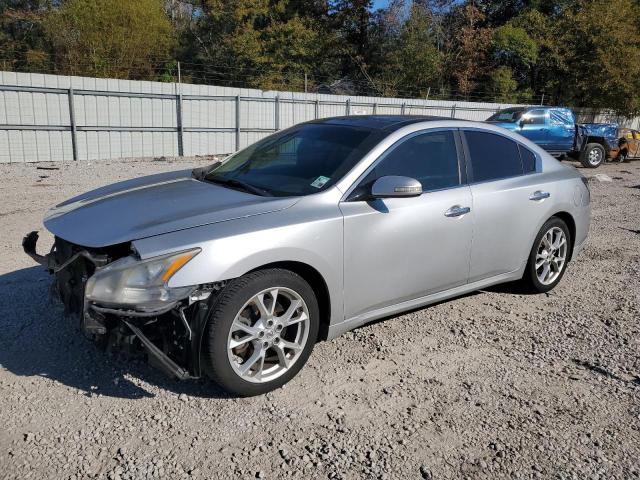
(61, 118)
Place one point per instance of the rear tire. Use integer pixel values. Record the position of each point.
(260, 332)
(549, 256)
(592, 156)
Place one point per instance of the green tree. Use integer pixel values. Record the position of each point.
(352, 20)
(512, 46)
(116, 38)
(415, 60)
(22, 43)
(550, 67)
(604, 54)
(503, 86)
(257, 43)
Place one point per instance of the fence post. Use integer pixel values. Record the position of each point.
(237, 122)
(375, 108)
(453, 111)
(72, 124)
(179, 124)
(347, 106)
(276, 113)
(403, 108)
(316, 109)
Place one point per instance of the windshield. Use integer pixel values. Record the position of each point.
(301, 160)
(509, 115)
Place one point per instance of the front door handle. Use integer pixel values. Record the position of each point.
(539, 195)
(457, 211)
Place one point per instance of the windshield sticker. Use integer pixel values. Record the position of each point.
(320, 181)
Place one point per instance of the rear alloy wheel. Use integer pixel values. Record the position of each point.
(549, 256)
(261, 331)
(593, 155)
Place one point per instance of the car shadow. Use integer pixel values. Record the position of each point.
(516, 287)
(38, 340)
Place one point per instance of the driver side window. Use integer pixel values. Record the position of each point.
(431, 158)
(536, 117)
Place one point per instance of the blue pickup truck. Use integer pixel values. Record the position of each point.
(555, 130)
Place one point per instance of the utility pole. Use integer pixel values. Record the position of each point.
(428, 92)
(305, 82)
(542, 99)
(179, 78)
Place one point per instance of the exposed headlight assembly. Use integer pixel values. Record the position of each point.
(139, 284)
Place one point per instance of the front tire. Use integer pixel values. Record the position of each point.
(261, 331)
(548, 257)
(592, 156)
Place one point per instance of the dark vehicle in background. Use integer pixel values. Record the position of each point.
(555, 130)
(628, 145)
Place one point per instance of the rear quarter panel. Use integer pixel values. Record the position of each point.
(570, 195)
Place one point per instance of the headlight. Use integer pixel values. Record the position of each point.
(139, 284)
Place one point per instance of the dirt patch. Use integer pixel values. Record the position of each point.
(497, 384)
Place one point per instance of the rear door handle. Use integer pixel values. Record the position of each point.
(457, 211)
(539, 195)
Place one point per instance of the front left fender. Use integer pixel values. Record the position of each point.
(231, 249)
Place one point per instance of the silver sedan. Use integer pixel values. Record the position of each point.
(235, 271)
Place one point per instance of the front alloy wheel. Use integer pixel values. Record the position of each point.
(260, 332)
(268, 334)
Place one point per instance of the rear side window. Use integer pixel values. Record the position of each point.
(431, 158)
(492, 156)
(560, 117)
(528, 159)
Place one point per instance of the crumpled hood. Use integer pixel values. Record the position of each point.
(152, 205)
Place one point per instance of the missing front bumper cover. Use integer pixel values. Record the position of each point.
(161, 358)
(175, 352)
(29, 246)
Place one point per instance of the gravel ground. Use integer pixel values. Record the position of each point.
(496, 384)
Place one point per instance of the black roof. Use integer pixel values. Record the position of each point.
(379, 122)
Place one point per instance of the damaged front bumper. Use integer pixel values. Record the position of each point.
(171, 336)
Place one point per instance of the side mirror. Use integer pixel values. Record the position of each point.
(396, 187)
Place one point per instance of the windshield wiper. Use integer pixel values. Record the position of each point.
(240, 185)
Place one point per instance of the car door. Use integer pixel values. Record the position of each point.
(562, 130)
(507, 195)
(398, 249)
(534, 125)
